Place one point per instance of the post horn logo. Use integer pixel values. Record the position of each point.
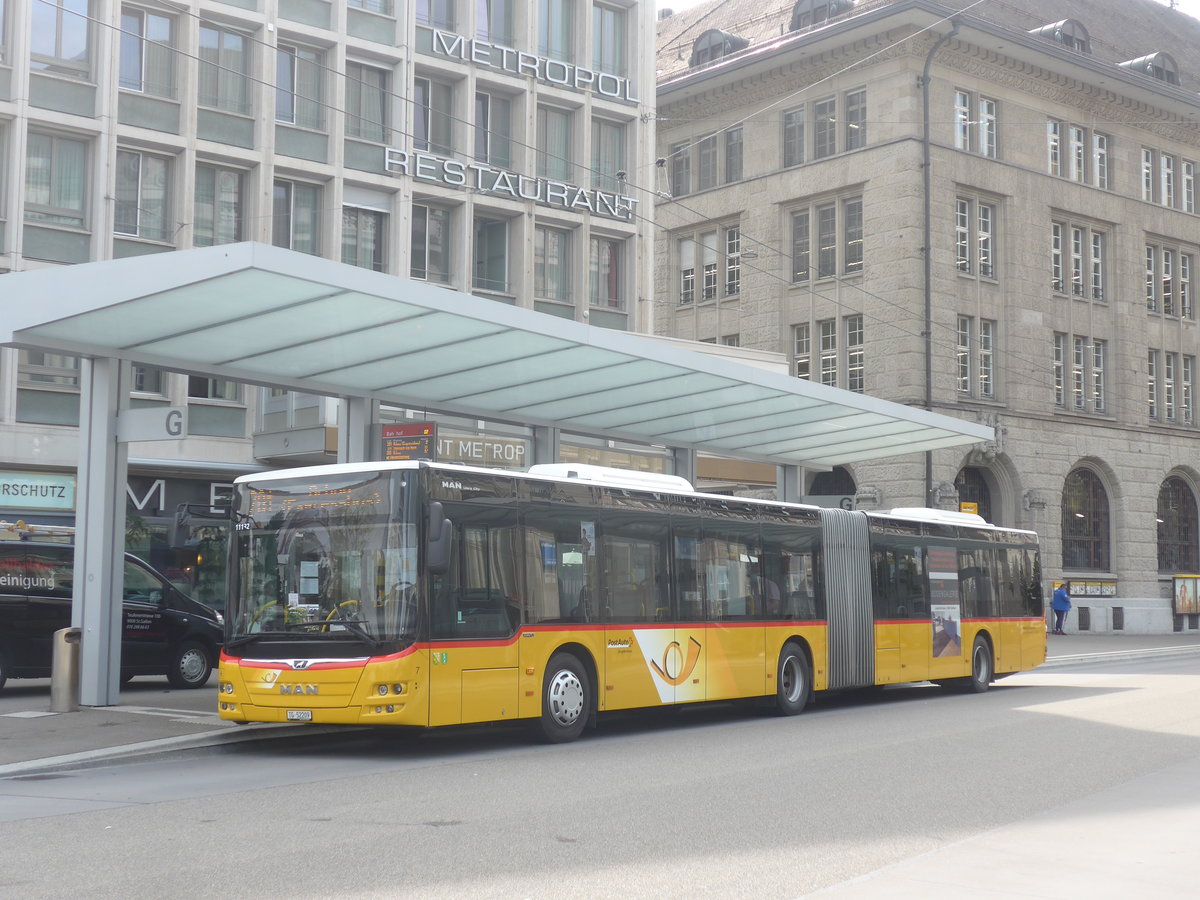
(672, 656)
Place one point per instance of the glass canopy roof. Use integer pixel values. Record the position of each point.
(269, 316)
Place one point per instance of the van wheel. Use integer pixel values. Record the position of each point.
(566, 699)
(190, 665)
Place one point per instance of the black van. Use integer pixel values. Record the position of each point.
(165, 631)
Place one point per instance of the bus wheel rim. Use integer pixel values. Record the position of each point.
(566, 697)
(791, 679)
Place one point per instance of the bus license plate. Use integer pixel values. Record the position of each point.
(299, 715)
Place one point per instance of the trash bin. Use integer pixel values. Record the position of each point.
(64, 671)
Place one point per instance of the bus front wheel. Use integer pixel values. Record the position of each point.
(793, 682)
(566, 699)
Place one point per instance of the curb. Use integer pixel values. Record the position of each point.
(1078, 659)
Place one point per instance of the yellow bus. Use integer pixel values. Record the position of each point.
(422, 594)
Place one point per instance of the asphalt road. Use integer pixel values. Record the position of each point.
(1022, 791)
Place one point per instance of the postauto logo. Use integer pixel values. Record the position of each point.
(672, 663)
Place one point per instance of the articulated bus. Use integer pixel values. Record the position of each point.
(422, 594)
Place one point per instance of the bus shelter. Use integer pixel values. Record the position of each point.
(268, 316)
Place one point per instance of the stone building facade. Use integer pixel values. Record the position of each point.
(988, 210)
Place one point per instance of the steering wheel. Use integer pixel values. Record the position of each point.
(337, 612)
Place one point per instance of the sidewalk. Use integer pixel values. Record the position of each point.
(152, 718)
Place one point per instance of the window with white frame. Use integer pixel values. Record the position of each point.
(383, 7)
(552, 263)
(975, 357)
(1168, 180)
(1168, 280)
(201, 388)
(733, 154)
(143, 195)
(224, 82)
(825, 128)
(1152, 385)
(1078, 260)
(855, 105)
(827, 336)
(606, 275)
(433, 116)
(554, 142)
(824, 361)
(430, 243)
(699, 267)
(217, 212)
(56, 180)
(60, 36)
(148, 52)
(1187, 391)
(493, 129)
(148, 380)
(367, 102)
(43, 369)
(489, 260)
(829, 233)
(975, 237)
(855, 365)
(364, 237)
(296, 216)
(608, 39)
(802, 350)
(793, 136)
(1080, 373)
(680, 157)
(975, 123)
(608, 155)
(707, 172)
(733, 260)
(556, 29)
(1077, 152)
(821, 141)
(299, 85)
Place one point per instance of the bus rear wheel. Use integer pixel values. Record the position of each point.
(566, 699)
(983, 671)
(793, 680)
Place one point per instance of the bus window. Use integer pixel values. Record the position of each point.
(976, 590)
(560, 566)
(791, 560)
(730, 570)
(479, 594)
(898, 578)
(634, 558)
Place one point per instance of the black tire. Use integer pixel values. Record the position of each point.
(566, 699)
(3, 670)
(793, 680)
(983, 669)
(191, 664)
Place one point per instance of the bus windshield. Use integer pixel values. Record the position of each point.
(325, 559)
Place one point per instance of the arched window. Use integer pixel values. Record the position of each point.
(1157, 65)
(972, 488)
(1085, 527)
(714, 44)
(1178, 550)
(808, 13)
(837, 482)
(1069, 32)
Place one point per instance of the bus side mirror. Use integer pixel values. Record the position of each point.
(441, 530)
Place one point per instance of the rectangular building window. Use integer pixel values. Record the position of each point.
(986, 357)
(1054, 147)
(687, 271)
(201, 388)
(1148, 175)
(299, 86)
(1189, 186)
(364, 238)
(733, 260)
(975, 123)
(224, 77)
(824, 128)
(608, 155)
(554, 143)
(56, 180)
(681, 169)
(1100, 160)
(802, 350)
(1168, 386)
(827, 329)
(493, 129)
(733, 154)
(827, 241)
(1078, 360)
(708, 265)
(801, 246)
(433, 116)
(856, 119)
(494, 21)
(854, 354)
(1099, 388)
(367, 102)
(1059, 370)
(975, 237)
(436, 13)
(852, 225)
(793, 137)
(975, 357)
(1152, 383)
(836, 238)
(556, 29)
(148, 52)
(552, 263)
(608, 39)
(489, 262)
(1168, 280)
(143, 194)
(606, 277)
(217, 213)
(1187, 391)
(430, 244)
(707, 157)
(296, 211)
(60, 35)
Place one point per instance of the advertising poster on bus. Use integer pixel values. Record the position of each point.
(945, 608)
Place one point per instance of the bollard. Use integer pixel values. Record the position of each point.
(64, 671)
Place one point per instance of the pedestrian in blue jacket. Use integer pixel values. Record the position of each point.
(1060, 604)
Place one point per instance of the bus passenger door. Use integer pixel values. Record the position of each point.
(474, 621)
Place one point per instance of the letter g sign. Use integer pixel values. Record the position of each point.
(174, 423)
